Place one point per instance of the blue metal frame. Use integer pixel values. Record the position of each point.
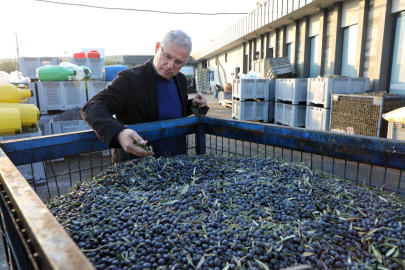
(360, 149)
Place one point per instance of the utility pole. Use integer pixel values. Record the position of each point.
(18, 52)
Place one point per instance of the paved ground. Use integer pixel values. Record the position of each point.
(3, 259)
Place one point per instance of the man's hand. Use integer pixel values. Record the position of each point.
(199, 101)
(125, 139)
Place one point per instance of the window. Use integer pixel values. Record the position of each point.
(397, 85)
(349, 50)
(313, 64)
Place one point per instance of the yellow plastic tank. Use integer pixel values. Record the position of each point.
(10, 123)
(10, 93)
(29, 113)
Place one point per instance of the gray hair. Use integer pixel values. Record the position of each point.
(179, 37)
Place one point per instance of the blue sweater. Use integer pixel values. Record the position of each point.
(168, 98)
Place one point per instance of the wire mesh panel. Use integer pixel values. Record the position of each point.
(390, 180)
(362, 114)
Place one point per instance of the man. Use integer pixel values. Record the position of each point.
(150, 92)
(219, 88)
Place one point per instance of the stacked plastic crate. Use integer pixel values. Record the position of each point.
(290, 96)
(202, 78)
(319, 95)
(250, 99)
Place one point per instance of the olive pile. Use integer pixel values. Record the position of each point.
(69, 115)
(206, 212)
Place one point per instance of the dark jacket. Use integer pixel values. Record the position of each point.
(132, 96)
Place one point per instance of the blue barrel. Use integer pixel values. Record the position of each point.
(110, 72)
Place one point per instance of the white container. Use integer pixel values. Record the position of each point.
(68, 126)
(319, 89)
(222, 96)
(290, 115)
(28, 65)
(93, 87)
(396, 131)
(26, 170)
(243, 89)
(94, 64)
(292, 90)
(61, 96)
(317, 118)
(271, 111)
(250, 110)
(79, 70)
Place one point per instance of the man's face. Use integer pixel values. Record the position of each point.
(169, 59)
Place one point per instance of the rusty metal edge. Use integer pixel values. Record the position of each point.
(56, 248)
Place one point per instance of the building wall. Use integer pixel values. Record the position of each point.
(370, 48)
(234, 59)
(328, 44)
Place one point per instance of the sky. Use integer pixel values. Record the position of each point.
(54, 30)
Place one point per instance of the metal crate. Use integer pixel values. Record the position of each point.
(43, 244)
(292, 90)
(362, 114)
(250, 110)
(320, 89)
(317, 118)
(61, 96)
(290, 115)
(29, 65)
(93, 87)
(396, 131)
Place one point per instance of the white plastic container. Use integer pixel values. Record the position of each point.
(222, 96)
(243, 89)
(319, 89)
(317, 118)
(250, 110)
(292, 90)
(61, 96)
(94, 64)
(28, 65)
(93, 87)
(396, 131)
(290, 115)
(79, 70)
(26, 170)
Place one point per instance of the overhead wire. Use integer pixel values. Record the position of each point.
(141, 10)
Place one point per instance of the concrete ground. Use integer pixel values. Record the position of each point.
(3, 259)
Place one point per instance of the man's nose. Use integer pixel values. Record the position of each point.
(170, 64)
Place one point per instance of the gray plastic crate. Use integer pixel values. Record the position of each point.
(250, 110)
(44, 124)
(290, 115)
(68, 126)
(93, 87)
(243, 89)
(61, 96)
(292, 90)
(279, 67)
(26, 170)
(319, 89)
(28, 65)
(317, 118)
(94, 64)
